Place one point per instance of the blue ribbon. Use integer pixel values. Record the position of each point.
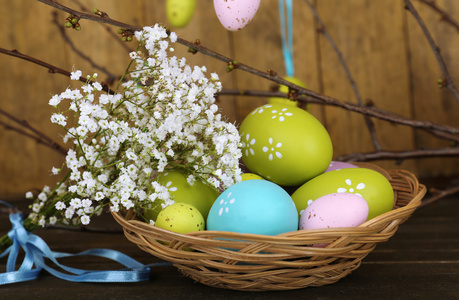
(287, 35)
(36, 251)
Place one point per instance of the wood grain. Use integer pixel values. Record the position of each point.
(388, 56)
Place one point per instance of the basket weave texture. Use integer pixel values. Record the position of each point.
(250, 262)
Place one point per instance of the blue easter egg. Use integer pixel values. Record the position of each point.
(254, 206)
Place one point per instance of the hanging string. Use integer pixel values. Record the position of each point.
(287, 35)
(36, 251)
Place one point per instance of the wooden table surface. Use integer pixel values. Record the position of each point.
(420, 262)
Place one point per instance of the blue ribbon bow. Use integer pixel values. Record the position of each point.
(36, 251)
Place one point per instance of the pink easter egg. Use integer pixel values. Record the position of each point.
(338, 165)
(334, 210)
(235, 14)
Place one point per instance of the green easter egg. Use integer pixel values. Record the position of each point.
(370, 184)
(180, 12)
(284, 89)
(250, 176)
(180, 218)
(200, 195)
(285, 144)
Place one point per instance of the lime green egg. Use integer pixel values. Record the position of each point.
(180, 12)
(369, 184)
(284, 144)
(250, 176)
(200, 194)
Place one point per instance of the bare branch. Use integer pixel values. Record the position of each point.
(444, 16)
(439, 194)
(400, 155)
(449, 83)
(51, 69)
(323, 30)
(37, 135)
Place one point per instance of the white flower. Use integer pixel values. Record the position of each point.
(55, 100)
(55, 170)
(60, 205)
(76, 203)
(42, 196)
(59, 119)
(85, 220)
(97, 86)
(173, 37)
(29, 195)
(75, 75)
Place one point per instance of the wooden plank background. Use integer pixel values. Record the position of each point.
(388, 55)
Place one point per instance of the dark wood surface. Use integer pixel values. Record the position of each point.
(420, 262)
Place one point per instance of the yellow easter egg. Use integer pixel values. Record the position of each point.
(284, 89)
(180, 12)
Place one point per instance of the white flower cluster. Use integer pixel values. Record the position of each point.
(164, 118)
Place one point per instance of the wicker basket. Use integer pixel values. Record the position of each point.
(252, 262)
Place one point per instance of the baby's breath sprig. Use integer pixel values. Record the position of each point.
(163, 117)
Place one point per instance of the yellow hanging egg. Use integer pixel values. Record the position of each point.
(180, 12)
(284, 89)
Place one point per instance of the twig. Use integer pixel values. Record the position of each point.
(53, 146)
(108, 29)
(51, 69)
(323, 30)
(111, 78)
(39, 136)
(440, 194)
(449, 83)
(400, 155)
(371, 111)
(444, 16)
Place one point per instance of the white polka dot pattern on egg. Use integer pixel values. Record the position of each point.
(281, 114)
(272, 149)
(224, 202)
(350, 189)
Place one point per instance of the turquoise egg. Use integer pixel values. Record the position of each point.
(285, 144)
(367, 183)
(253, 206)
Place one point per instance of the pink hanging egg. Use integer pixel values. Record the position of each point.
(235, 14)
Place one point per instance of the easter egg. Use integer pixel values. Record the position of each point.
(250, 176)
(369, 184)
(200, 195)
(334, 210)
(180, 218)
(284, 144)
(235, 14)
(254, 206)
(338, 165)
(284, 89)
(180, 12)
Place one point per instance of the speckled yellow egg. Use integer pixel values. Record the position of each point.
(180, 12)
(180, 218)
(200, 194)
(285, 144)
